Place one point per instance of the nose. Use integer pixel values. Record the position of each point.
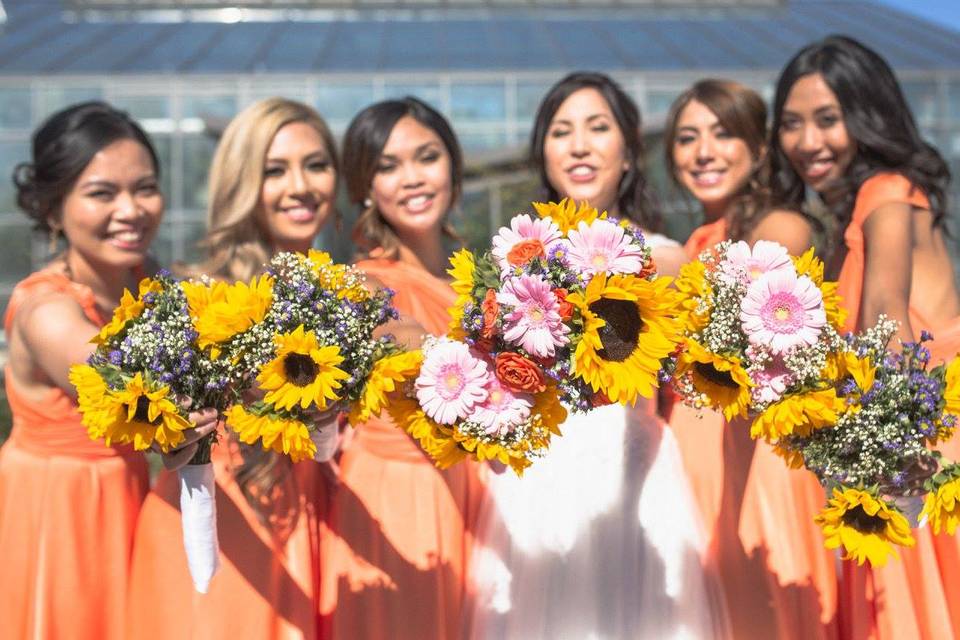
(580, 143)
(411, 175)
(705, 150)
(297, 182)
(126, 206)
(810, 139)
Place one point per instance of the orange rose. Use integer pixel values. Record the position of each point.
(649, 269)
(518, 373)
(566, 309)
(600, 399)
(524, 251)
(490, 309)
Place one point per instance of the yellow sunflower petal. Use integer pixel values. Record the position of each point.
(866, 527)
(798, 414)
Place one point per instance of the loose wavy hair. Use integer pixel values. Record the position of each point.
(363, 144)
(634, 198)
(877, 117)
(237, 243)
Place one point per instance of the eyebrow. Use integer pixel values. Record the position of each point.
(319, 152)
(589, 118)
(425, 146)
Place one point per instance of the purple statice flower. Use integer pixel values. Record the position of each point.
(116, 358)
(925, 336)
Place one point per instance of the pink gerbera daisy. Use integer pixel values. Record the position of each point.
(533, 320)
(451, 382)
(771, 382)
(603, 247)
(503, 410)
(782, 311)
(523, 228)
(745, 265)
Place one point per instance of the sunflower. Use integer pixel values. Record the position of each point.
(567, 214)
(129, 308)
(302, 373)
(143, 413)
(222, 311)
(798, 414)
(629, 325)
(942, 506)
(275, 433)
(866, 526)
(387, 374)
(436, 440)
(792, 457)
(461, 270)
(547, 405)
(721, 379)
(812, 267)
(694, 291)
(91, 399)
(336, 277)
(951, 390)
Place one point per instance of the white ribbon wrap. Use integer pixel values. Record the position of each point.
(198, 511)
(327, 440)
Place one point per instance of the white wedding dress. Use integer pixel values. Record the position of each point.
(599, 540)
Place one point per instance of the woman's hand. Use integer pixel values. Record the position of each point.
(206, 421)
(325, 432)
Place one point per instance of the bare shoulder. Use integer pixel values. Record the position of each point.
(669, 259)
(50, 314)
(786, 227)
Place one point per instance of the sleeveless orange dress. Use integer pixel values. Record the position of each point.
(917, 597)
(68, 507)
(395, 561)
(267, 583)
(778, 579)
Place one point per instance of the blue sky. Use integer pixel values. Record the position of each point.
(943, 12)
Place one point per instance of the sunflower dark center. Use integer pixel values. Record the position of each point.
(143, 412)
(620, 334)
(714, 375)
(862, 521)
(300, 369)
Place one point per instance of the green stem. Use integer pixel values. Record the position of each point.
(204, 445)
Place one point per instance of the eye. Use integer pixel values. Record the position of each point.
(601, 127)
(684, 140)
(828, 120)
(386, 167)
(790, 124)
(319, 166)
(273, 172)
(103, 195)
(430, 157)
(148, 189)
(723, 134)
(559, 133)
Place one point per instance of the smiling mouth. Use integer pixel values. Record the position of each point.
(300, 214)
(582, 172)
(707, 178)
(128, 239)
(418, 203)
(818, 168)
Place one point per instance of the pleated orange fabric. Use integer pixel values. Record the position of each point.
(917, 596)
(68, 508)
(267, 583)
(778, 580)
(395, 562)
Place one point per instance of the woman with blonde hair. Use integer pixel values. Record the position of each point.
(272, 188)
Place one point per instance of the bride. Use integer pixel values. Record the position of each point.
(599, 539)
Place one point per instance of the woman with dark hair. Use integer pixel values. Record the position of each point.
(68, 504)
(600, 538)
(842, 129)
(764, 543)
(395, 561)
(272, 188)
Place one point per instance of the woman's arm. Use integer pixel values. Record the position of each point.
(888, 267)
(786, 227)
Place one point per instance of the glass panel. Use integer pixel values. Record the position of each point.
(528, 100)
(343, 101)
(297, 91)
(482, 140)
(11, 154)
(659, 101)
(222, 106)
(14, 108)
(922, 97)
(478, 102)
(197, 154)
(16, 243)
(953, 102)
(144, 107)
(472, 219)
(162, 247)
(53, 99)
(429, 93)
(162, 143)
(192, 232)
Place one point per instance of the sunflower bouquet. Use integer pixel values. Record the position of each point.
(877, 457)
(148, 367)
(757, 325)
(300, 341)
(565, 312)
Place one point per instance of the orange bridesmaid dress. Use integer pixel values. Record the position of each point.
(267, 583)
(395, 561)
(68, 508)
(778, 579)
(918, 596)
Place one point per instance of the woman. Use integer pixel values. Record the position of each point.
(396, 562)
(272, 188)
(599, 538)
(778, 579)
(843, 130)
(68, 504)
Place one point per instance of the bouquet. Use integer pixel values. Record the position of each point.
(755, 323)
(300, 337)
(565, 312)
(136, 387)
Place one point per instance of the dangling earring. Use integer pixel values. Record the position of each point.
(53, 242)
(367, 203)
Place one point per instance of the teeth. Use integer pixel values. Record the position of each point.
(581, 170)
(417, 201)
(128, 236)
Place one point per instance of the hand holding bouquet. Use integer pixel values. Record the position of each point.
(564, 311)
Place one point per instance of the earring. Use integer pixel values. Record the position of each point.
(367, 203)
(53, 242)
